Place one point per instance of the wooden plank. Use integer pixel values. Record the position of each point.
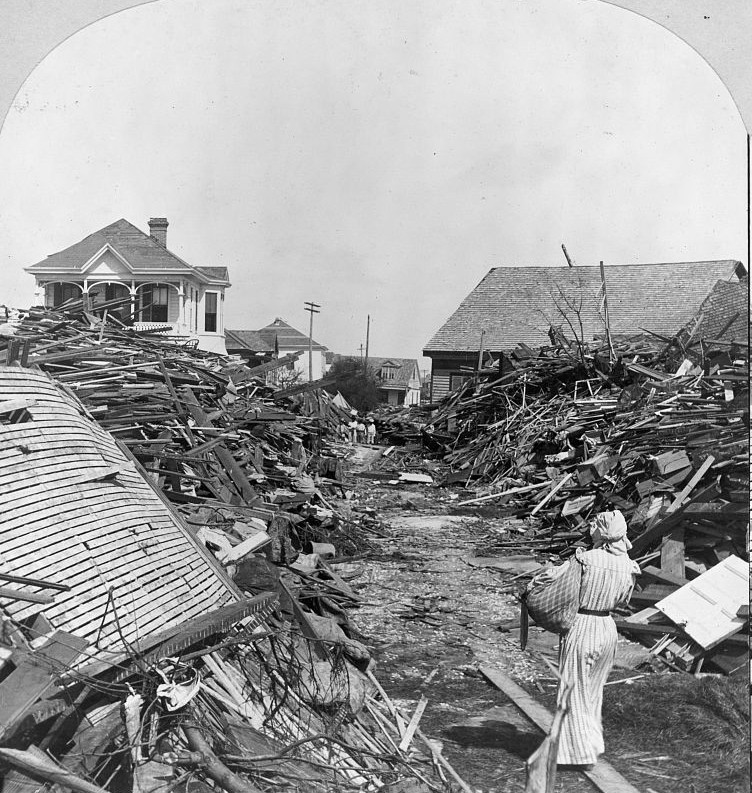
(604, 776)
(679, 500)
(26, 595)
(672, 553)
(413, 725)
(33, 677)
(663, 576)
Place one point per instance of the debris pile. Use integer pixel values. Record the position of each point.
(554, 438)
(172, 614)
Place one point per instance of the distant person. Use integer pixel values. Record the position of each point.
(361, 432)
(353, 427)
(371, 432)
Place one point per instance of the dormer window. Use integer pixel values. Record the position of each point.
(388, 372)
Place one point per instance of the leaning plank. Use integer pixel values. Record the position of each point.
(413, 725)
(604, 776)
(25, 594)
(689, 487)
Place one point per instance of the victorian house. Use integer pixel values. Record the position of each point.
(140, 283)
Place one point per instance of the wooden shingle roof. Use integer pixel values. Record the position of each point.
(286, 337)
(518, 304)
(142, 253)
(246, 340)
(724, 314)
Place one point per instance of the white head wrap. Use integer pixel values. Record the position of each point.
(609, 531)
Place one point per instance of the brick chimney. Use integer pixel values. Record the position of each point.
(158, 230)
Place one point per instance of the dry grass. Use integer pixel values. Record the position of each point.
(701, 724)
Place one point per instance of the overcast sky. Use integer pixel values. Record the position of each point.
(374, 157)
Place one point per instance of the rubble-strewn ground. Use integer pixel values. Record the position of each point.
(432, 619)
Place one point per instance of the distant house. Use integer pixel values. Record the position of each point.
(161, 291)
(514, 305)
(398, 380)
(284, 339)
(249, 345)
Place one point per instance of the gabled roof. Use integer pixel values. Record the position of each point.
(246, 340)
(142, 253)
(518, 304)
(287, 337)
(724, 314)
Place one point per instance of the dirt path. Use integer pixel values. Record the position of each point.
(436, 648)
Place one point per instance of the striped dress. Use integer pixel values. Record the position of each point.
(587, 653)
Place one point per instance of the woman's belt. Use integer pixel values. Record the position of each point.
(594, 613)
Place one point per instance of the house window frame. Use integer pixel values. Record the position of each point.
(146, 311)
(207, 313)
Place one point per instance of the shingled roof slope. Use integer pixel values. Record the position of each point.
(246, 340)
(287, 337)
(724, 314)
(518, 304)
(141, 251)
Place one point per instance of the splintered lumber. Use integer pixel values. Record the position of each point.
(604, 776)
(277, 363)
(689, 487)
(221, 451)
(512, 491)
(552, 493)
(215, 768)
(31, 679)
(36, 764)
(436, 752)
(661, 526)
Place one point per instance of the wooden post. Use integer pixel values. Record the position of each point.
(611, 354)
(480, 355)
(368, 335)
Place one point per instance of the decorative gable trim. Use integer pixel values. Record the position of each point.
(101, 252)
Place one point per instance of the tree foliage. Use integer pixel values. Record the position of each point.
(357, 384)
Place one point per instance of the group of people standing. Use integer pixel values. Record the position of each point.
(358, 430)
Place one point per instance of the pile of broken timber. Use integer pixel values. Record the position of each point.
(217, 439)
(151, 640)
(554, 441)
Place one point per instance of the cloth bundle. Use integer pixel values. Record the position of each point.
(553, 597)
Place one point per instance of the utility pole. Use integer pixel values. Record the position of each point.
(611, 353)
(368, 331)
(313, 309)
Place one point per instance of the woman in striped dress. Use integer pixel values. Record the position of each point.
(588, 649)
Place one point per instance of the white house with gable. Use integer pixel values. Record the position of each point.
(139, 282)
